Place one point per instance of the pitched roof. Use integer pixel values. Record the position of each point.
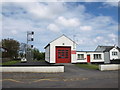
(118, 49)
(57, 38)
(106, 48)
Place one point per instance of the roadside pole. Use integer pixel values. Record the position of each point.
(30, 38)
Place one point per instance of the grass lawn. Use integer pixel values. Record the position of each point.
(42, 60)
(38, 60)
(88, 66)
(10, 62)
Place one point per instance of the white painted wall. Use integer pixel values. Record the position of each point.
(46, 69)
(109, 67)
(82, 60)
(96, 60)
(47, 54)
(114, 56)
(91, 57)
(59, 42)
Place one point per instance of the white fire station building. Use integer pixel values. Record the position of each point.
(63, 50)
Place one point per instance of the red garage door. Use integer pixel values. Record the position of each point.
(63, 54)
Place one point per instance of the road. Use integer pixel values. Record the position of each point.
(73, 77)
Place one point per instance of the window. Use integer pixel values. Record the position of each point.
(114, 53)
(80, 56)
(97, 56)
(63, 54)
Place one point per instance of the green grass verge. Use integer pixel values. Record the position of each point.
(38, 60)
(88, 66)
(10, 62)
(42, 60)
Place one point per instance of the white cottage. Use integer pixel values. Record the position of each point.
(110, 52)
(102, 54)
(61, 50)
(90, 56)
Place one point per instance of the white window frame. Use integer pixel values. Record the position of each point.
(114, 53)
(81, 57)
(97, 56)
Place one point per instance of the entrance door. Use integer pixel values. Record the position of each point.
(88, 58)
(63, 54)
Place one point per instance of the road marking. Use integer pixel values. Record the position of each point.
(12, 80)
(64, 79)
(74, 79)
(44, 80)
(70, 79)
(84, 78)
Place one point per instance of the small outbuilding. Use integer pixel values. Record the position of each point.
(61, 50)
(111, 53)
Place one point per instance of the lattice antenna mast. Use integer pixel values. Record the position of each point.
(30, 38)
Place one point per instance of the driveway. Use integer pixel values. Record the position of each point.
(73, 77)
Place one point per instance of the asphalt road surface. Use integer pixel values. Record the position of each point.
(73, 77)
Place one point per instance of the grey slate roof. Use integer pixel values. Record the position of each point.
(118, 49)
(105, 48)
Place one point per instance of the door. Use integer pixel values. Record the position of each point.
(88, 58)
(63, 54)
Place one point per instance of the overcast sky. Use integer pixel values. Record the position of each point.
(93, 23)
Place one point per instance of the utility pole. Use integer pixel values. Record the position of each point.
(30, 38)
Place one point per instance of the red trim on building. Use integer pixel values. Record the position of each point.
(73, 52)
